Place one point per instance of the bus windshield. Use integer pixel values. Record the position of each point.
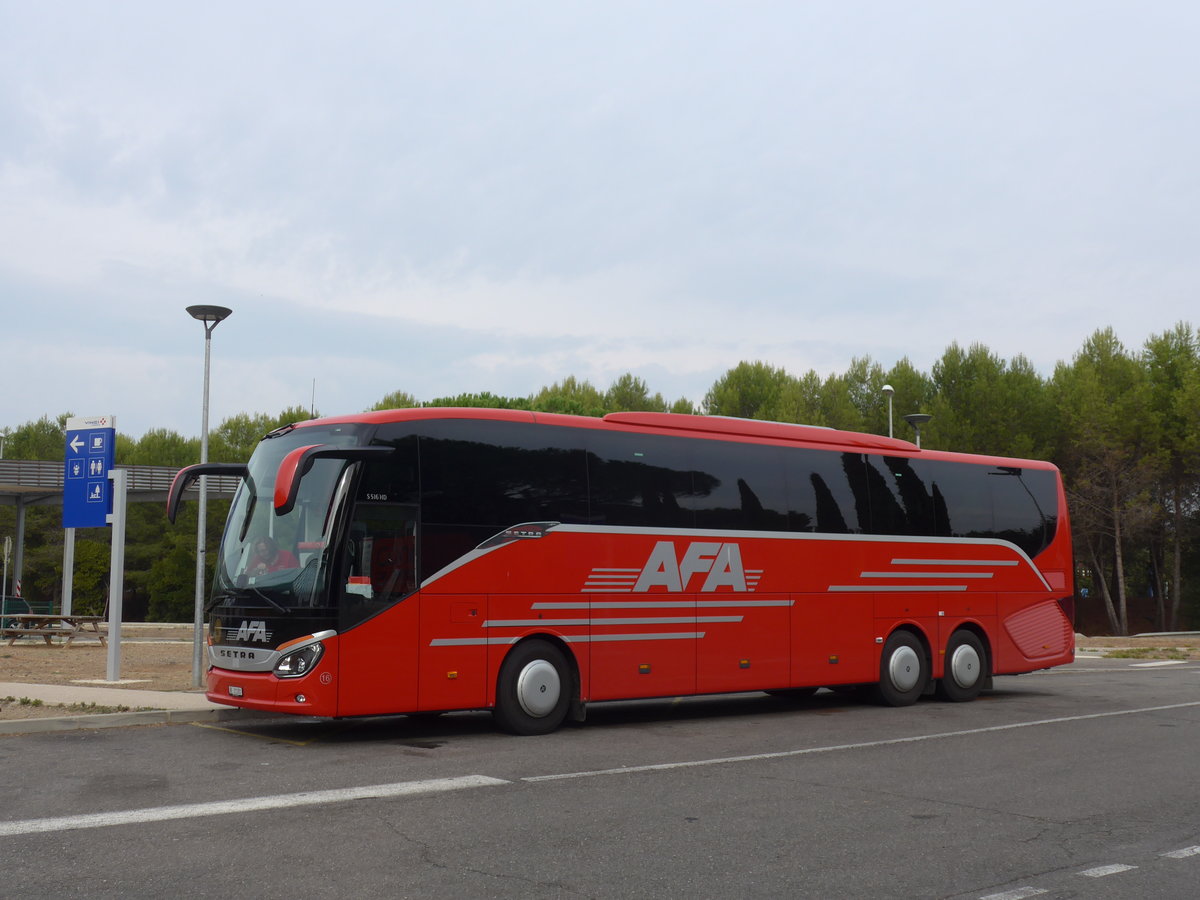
(280, 561)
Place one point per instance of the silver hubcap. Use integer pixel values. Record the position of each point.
(905, 669)
(538, 688)
(964, 666)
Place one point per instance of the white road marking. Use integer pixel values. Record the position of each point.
(1182, 854)
(783, 754)
(1101, 871)
(248, 804)
(1022, 893)
(1155, 665)
(413, 788)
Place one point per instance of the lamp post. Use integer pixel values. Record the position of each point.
(916, 420)
(888, 390)
(211, 317)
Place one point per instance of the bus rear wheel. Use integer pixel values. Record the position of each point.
(903, 670)
(534, 690)
(966, 668)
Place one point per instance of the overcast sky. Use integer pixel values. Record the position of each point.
(449, 197)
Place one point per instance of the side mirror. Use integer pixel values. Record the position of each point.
(297, 464)
(185, 477)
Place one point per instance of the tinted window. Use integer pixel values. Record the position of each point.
(826, 491)
(643, 480)
(1012, 504)
(901, 501)
(496, 474)
(395, 480)
(380, 559)
(1024, 505)
(738, 486)
(479, 477)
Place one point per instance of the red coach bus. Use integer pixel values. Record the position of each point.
(424, 560)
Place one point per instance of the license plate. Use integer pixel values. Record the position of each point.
(235, 691)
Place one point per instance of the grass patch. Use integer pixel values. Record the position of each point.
(20, 701)
(76, 708)
(93, 708)
(1147, 653)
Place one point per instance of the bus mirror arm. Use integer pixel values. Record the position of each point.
(297, 464)
(185, 477)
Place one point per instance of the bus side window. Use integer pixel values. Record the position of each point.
(380, 564)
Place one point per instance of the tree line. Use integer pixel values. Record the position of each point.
(1123, 425)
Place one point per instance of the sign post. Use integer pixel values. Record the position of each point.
(94, 495)
(4, 583)
(116, 579)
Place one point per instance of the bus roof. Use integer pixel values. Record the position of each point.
(667, 423)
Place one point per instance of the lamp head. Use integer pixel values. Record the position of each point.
(207, 314)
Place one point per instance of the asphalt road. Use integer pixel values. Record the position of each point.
(1079, 782)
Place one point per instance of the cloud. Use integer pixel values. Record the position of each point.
(413, 199)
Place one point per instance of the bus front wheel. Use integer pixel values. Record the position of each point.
(966, 665)
(533, 693)
(903, 670)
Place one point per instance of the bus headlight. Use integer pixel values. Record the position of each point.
(299, 662)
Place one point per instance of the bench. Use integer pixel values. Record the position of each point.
(49, 627)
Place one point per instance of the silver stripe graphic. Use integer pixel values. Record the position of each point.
(955, 562)
(662, 604)
(663, 636)
(641, 620)
(734, 536)
(573, 639)
(742, 604)
(896, 588)
(926, 574)
(617, 604)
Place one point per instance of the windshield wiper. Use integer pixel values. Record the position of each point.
(263, 596)
(250, 504)
(239, 595)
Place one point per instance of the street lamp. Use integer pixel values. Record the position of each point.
(211, 317)
(888, 390)
(916, 420)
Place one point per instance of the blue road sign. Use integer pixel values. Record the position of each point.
(90, 454)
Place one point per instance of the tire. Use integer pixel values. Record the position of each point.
(534, 690)
(966, 668)
(903, 670)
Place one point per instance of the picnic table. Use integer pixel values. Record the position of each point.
(48, 627)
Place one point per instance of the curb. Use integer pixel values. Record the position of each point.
(126, 719)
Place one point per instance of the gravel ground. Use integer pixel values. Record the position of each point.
(153, 658)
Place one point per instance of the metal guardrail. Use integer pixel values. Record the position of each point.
(144, 482)
(19, 606)
(1166, 634)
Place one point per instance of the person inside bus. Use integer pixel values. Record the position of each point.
(268, 557)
